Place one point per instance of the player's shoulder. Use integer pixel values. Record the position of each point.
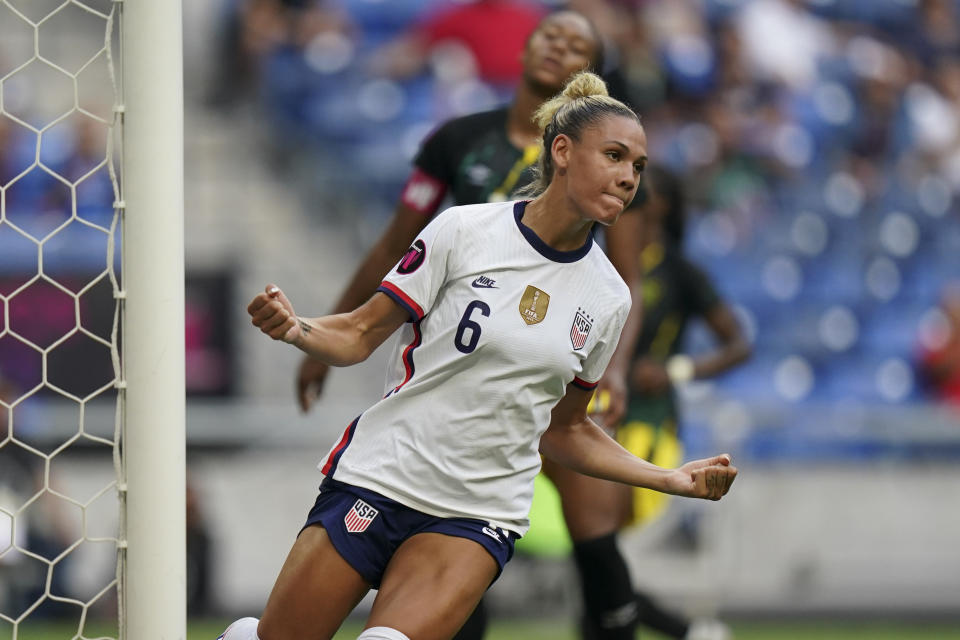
(491, 116)
(463, 229)
(477, 214)
(472, 124)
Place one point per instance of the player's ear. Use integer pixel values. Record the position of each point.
(561, 148)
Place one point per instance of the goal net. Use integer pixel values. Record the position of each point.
(69, 440)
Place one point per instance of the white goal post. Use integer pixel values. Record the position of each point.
(153, 586)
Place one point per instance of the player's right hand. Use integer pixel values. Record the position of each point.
(274, 315)
(310, 380)
(709, 478)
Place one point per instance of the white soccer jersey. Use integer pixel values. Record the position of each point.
(500, 324)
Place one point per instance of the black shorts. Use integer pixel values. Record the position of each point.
(366, 528)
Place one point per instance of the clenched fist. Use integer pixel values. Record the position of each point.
(274, 315)
(709, 478)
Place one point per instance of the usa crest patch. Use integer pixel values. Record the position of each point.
(582, 323)
(359, 517)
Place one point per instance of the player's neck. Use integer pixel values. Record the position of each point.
(555, 222)
(521, 130)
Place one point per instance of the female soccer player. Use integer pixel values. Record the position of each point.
(510, 314)
(486, 157)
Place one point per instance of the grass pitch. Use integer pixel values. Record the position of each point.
(562, 630)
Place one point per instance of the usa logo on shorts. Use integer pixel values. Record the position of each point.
(359, 517)
(582, 323)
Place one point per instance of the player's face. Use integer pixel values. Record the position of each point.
(605, 166)
(560, 46)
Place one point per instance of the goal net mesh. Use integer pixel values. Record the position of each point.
(60, 304)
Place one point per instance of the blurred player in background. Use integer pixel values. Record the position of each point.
(429, 488)
(675, 291)
(484, 158)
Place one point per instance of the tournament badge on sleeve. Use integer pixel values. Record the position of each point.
(533, 305)
(582, 323)
(359, 517)
(413, 258)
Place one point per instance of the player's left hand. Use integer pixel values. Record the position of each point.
(609, 403)
(311, 377)
(709, 478)
(649, 376)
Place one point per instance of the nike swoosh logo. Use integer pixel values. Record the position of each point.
(484, 283)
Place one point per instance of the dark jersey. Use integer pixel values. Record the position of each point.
(472, 159)
(674, 291)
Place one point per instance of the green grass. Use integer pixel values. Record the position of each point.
(553, 630)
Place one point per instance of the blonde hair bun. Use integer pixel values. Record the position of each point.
(583, 85)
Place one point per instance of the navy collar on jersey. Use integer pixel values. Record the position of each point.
(542, 247)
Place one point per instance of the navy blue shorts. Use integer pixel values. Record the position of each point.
(366, 528)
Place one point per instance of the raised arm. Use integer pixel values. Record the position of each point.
(649, 375)
(732, 345)
(395, 239)
(339, 340)
(575, 441)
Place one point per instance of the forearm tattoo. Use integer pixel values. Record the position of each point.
(306, 328)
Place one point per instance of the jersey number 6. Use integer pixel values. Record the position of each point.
(467, 346)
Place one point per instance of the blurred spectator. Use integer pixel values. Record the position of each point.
(936, 32)
(483, 38)
(784, 41)
(16, 486)
(881, 78)
(936, 111)
(681, 38)
(940, 357)
(7, 396)
(254, 29)
(43, 530)
(7, 142)
(95, 192)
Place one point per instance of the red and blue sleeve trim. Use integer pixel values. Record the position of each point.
(334, 458)
(583, 384)
(402, 299)
(407, 356)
